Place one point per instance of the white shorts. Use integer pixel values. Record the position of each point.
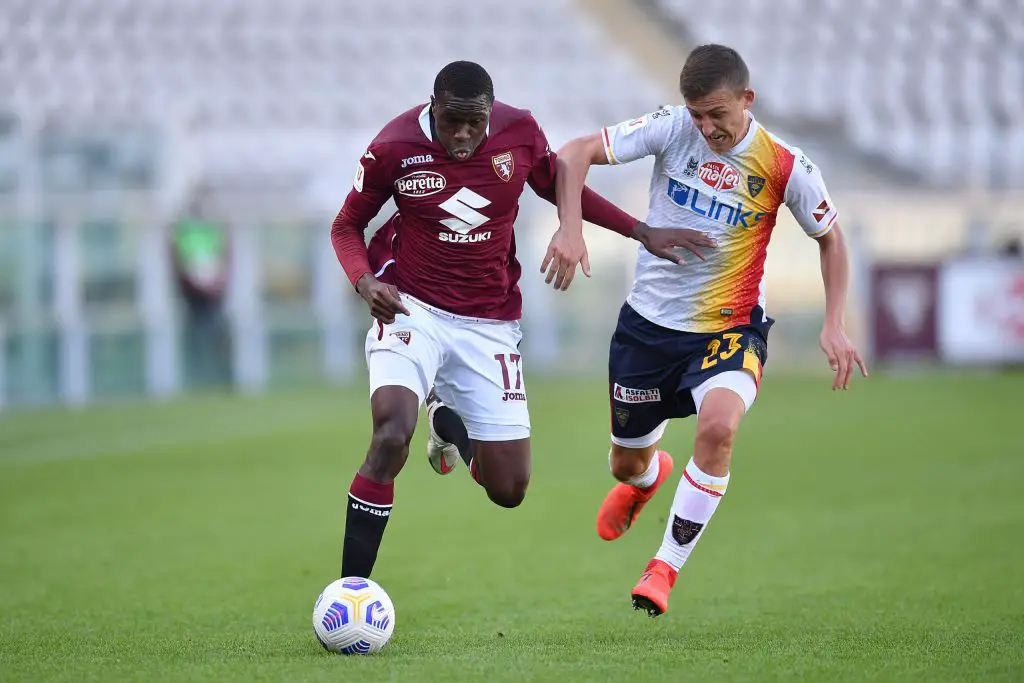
(474, 365)
(739, 381)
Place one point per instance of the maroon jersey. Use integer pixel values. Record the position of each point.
(451, 243)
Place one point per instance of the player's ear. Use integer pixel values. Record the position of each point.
(748, 98)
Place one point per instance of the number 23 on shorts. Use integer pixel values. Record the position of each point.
(731, 343)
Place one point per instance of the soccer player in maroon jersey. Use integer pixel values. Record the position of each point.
(440, 279)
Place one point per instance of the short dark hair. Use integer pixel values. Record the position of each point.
(710, 67)
(464, 80)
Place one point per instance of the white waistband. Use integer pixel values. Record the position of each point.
(447, 314)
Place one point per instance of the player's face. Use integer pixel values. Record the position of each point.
(721, 116)
(461, 123)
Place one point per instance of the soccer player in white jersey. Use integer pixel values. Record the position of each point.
(692, 338)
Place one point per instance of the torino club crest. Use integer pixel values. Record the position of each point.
(504, 164)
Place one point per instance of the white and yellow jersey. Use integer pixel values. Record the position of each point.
(735, 197)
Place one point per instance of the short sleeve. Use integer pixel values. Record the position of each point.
(637, 138)
(807, 197)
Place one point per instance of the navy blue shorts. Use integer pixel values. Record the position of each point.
(651, 369)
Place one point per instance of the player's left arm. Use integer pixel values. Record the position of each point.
(593, 208)
(815, 211)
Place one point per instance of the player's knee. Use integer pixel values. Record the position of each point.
(389, 448)
(716, 433)
(509, 494)
(391, 437)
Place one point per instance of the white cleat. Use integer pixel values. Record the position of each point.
(443, 456)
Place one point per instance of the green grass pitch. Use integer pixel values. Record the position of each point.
(870, 535)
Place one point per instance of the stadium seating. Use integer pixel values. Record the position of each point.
(270, 83)
(934, 87)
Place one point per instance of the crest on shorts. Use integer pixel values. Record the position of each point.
(755, 184)
(504, 164)
(621, 416)
(403, 335)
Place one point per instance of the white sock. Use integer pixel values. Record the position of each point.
(697, 496)
(646, 478)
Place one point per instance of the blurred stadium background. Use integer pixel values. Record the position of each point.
(121, 118)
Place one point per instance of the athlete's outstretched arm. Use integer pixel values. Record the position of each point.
(571, 167)
(835, 273)
(577, 203)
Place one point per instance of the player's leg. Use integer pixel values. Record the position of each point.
(371, 495)
(482, 382)
(720, 401)
(639, 374)
(401, 367)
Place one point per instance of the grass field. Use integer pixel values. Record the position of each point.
(872, 535)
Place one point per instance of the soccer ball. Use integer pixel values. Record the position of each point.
(353, 616)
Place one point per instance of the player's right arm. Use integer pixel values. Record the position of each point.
(619, 144)
(371, 188)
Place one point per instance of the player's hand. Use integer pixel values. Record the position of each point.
(383, 299)
(663, 242)
(842, 355)
(565, 251)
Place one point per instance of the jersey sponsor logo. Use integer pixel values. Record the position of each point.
(822, 211)
(691, 168)
(420, 184)
(464, 239)
(808, 166)
(418, 159)
(513, 396)
(628, 395)
(463, 207)
(710, 207)
(718, 176)
(660, 113)
(504, 165)
(404, 336)
(755, 184)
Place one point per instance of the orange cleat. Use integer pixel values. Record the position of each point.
(624, 502)
(651, 592)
